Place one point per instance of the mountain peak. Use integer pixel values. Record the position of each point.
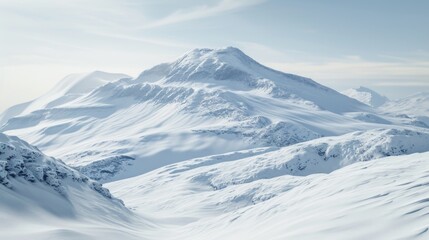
(230, 69)
(208, 66)
(203, 65)
(367, 96)
(364, 89)
(228, 55)
(226, 50)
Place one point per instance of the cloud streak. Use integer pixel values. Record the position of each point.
(204, 11)
(357, 69)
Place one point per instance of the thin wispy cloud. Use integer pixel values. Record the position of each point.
(202, 11)
(342, 69)
(403, 84)
(146, 40)
(346, 69)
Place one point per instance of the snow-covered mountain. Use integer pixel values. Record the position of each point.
(206, 102)
(367, 96)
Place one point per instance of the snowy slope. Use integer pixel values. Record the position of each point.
(206, 102)
(367, 96)
(212, 176)
(41, 198)
(384, 198)
(68, 89)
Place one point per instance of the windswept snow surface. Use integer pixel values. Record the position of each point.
(385, 198)
(367, 96)
(229, 172)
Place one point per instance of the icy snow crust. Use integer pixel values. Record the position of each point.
(213, 146)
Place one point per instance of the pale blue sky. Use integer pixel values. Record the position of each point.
(381, 44)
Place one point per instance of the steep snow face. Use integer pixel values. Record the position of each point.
(20, 162)
(42, 198)
(415, 105)
(367, 96)
(68, 89)
(207, 102)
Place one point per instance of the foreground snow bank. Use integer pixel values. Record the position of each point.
(385, 198)
(381, 199)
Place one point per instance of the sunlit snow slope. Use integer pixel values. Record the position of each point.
(386, 198)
